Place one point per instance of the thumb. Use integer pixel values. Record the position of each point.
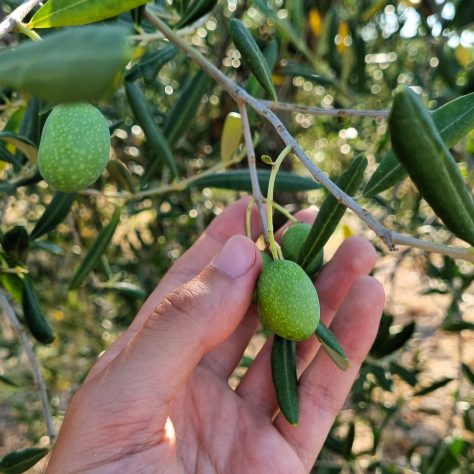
(188, 323)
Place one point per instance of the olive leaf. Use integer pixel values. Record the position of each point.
(54, 214)
(196, 10)
(20, 461)
(331, 345)
(74, 65)
(231, 136)
(56, 13)
(24, 144)
(96, 251)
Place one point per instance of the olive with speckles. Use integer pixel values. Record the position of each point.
(292, 241)
(74, 147)
(288, 303)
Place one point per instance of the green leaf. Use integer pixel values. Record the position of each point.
(34, 317)
(231, 136)
(331, 345)
(56, 13)
(156, 141)
(16, 243)
(251, 55)
(74, 65)
(432, 387)
(420, 148)
(283, 360)
(447, 457)
(25, 145)
(196, 10)
(8, 382)
(270, 53)
(17, 462)
(54, 214)
(331, 211)
(240, 180)
(128, 289)
(95, 252)
(394, 342)
(468, 373)
(182, 114)
(409, 376)
(149, 65)
(294, 69)
(453, 120)
(349, 441)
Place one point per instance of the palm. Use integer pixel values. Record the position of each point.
(226, 433)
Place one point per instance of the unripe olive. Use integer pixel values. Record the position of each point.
(288, 303)
(74, 147)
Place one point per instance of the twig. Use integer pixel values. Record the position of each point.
(17, 16)
(463, 253)
(322, 111)
(240, 95)
(256, 191)
(34, 364)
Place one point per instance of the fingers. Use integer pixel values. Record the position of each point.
(188, 322)
(354, 258)
(230, 222)
(323, 388)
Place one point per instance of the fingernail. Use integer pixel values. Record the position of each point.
(236, 257)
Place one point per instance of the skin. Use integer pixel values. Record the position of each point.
(158, 401)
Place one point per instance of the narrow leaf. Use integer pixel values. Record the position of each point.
(149, 65)
(331, 345)
(196, 10)
(54, 214)
(240, 180)
(34, 317)
(74, 65)
(331, 211)
(56, 13)
(283, 360)
(26, 146)
(420, 148)
(432, 387)
(251, 55)
(95, 252)
(231, 136)
(453, 120)
(17, 462)
(182, 114)
(156, 141)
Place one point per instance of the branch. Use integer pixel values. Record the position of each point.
(463, 253)
(17, 16)
(256, 191)
(240, 95)
(321, 111)
(34, 364)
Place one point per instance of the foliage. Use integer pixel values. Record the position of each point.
(88, 259)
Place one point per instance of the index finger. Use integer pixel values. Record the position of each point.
(191, 263)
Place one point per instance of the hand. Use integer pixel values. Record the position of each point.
(159, 399)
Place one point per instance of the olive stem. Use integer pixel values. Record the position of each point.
(285, 106)
(17, 16)
(252, 162)
(271, 185)
(283, 211)
(22, 28)
(38, 378)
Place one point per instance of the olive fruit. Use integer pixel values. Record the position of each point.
(291, 242)
(288, 303)
(74, 147)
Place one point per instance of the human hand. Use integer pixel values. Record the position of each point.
(159, 400)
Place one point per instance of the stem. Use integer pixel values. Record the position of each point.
(283, 211)
(17, 16)
(271, 185)
(285, 106)
(256, 191)
(462, 253)
(34, 364)
(22, 28)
